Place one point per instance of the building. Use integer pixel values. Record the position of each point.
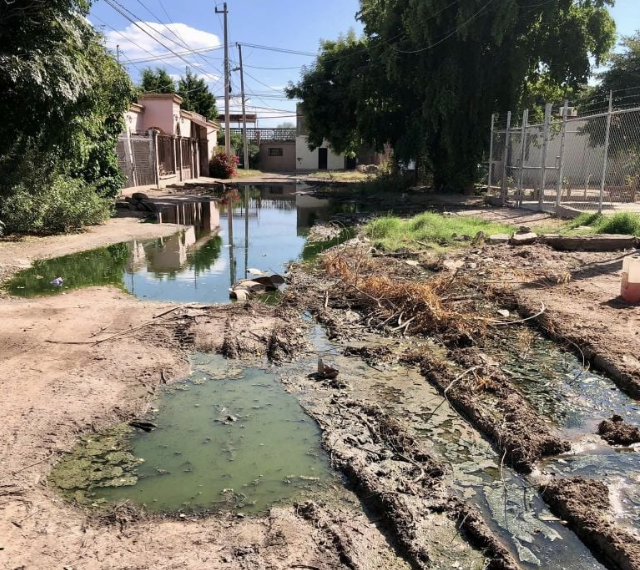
(163, 144)
(322, 158)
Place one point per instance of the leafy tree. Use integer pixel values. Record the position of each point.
(286, 125)
(156, 81)
(63, 102)
(622, 76)
(197, 97)
(426, 76)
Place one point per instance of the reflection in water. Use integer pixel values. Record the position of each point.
(199, 264)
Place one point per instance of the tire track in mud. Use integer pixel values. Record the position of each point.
(394, 475)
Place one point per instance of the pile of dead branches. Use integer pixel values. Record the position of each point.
(405, 305)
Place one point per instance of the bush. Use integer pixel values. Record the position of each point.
(62, 205)
(223, 166)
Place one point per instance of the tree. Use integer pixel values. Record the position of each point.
(622, 76)
(63, 103)
(197, 97)
(286, 125)
(426, 76)
(156, 81)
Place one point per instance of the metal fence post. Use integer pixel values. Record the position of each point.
(505, 160)
(562, 149)
(545, 148)
(493, 122)
(606, 153)
(523, 150)
(155, 162)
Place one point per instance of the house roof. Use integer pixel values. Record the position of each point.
(171, 96)
(198, 119)
(136, 108)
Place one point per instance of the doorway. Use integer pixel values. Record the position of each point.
(323, 159)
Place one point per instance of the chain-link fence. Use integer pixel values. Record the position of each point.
(580, 163)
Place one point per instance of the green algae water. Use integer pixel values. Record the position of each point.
(227, 439)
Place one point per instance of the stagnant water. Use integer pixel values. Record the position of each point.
(577, 400)
(510, 503)
(200, 264)
(226, 439)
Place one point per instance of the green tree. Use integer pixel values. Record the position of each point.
(426, 76)
(156, 81)
(197, 97)
(64, 97)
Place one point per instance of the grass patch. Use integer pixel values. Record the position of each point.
(247, 173)
(340, 176)
(428, 229)
(620, 223)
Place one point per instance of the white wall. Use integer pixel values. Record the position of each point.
(308, 160)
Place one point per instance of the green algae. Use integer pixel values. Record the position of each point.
(101, 459)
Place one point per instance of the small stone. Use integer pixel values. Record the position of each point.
(524, 238)
(503, 312)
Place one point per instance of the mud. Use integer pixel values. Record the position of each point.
(617, 432)
(395, 475)
(482, 394)
(584, 503)
(582, 305)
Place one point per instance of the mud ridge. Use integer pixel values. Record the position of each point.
(627, 379)
(487, 399)
(394, 475)
(584, 503)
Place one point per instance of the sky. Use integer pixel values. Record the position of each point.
(297, 25)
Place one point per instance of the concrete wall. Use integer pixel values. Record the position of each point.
(284, 163)
(163, 112)
(308, 159)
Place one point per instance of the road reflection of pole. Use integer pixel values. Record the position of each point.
(246, 232)
(232, 256)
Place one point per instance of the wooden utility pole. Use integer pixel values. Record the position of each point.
(245, 146)
(227, 126)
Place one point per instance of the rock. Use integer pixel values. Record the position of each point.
(139, 197)
(524, 230)
(123, 206)
(524, 238)
(498, 238)
(326, 372)
(616, 432)
(504, 312)
(368, 168)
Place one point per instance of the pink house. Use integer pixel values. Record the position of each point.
(163, 143)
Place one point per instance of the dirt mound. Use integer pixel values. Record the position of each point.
(584, 503)
(617, 432)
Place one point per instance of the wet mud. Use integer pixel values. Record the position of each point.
(617, 432)
(584, 503)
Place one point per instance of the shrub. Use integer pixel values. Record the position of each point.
(62, 205)
(223, 166)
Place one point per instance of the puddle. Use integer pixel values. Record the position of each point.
(269, 228)
(510, 504)
(558, 386)
(577, 400)
(227, 439)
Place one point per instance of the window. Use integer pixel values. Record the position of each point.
(276, 152)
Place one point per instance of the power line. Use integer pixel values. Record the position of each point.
(125, 14)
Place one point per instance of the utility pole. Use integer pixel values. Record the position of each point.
(227, 126)
(245, 146)
(118, 54)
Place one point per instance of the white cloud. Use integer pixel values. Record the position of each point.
(136, 44)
